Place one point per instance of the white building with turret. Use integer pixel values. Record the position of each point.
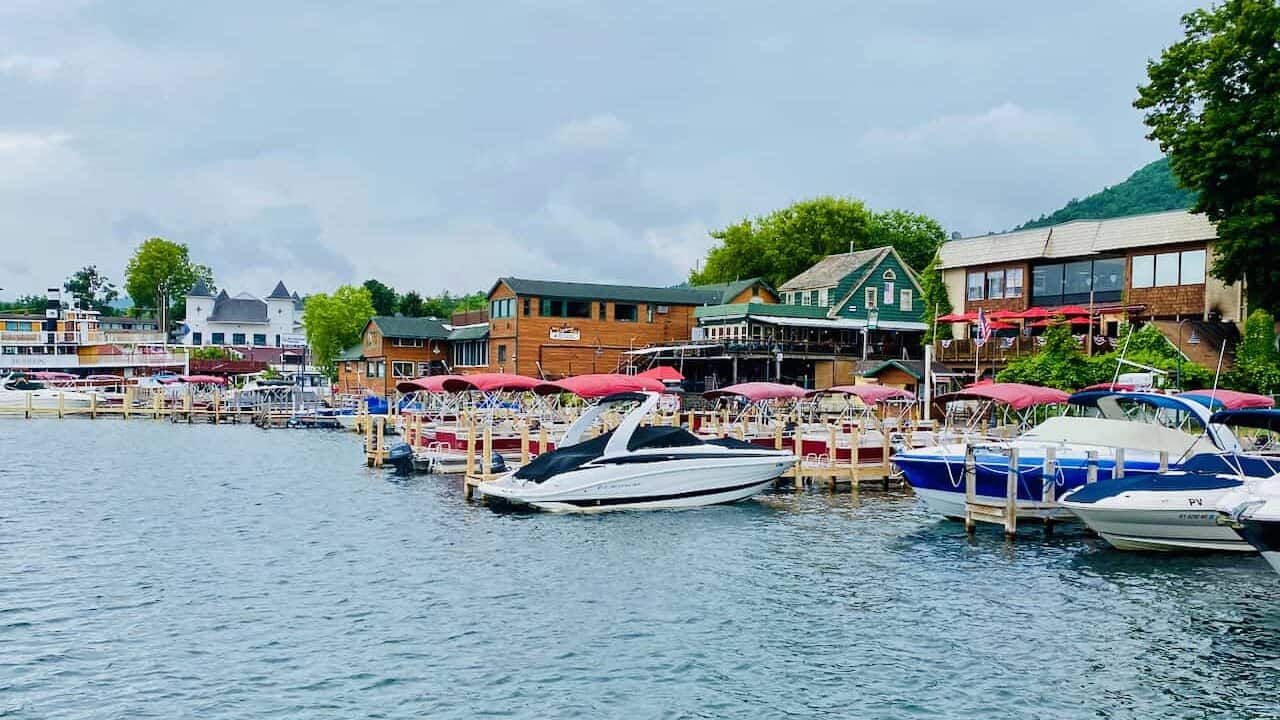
(243, 320)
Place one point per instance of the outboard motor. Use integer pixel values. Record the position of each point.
(400, 457)
(497, 464)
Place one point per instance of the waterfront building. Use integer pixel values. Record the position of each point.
(243, 320)
(1143, 268)
(391, 349)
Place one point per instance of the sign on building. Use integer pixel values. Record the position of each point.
(566, 333)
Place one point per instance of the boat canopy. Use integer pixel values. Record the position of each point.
(867, 393)
(757, 391)
(1113, 387)
(1228, 399)
(203, 379)
(490, 382)
(430, 383)
(663, 373)
(1257, 418)
(1016, 395)
(51, 375)
(599, 385)
(1109, 432)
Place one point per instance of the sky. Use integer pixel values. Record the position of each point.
(440, 145)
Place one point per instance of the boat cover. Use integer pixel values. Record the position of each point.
(1228, 399)
(1016, 395)
(870, 394)
(430, 383)
(490, 382)
(755, 391)
(572, 457)
(600, 385)
(1206, 471)
(662, 373)
(1258, 418)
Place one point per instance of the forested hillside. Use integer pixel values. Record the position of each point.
(1150, 189)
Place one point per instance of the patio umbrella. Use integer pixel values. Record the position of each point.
(1034, 313)
(957, 317)
(997, 325)
(1004, 314)
(1070, 310)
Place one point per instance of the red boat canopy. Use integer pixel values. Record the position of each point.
(1117, 387)
(870, 394)
(663, 373)
(430, 383)
(754, 391)
(600, 384)
(51, 375)
(203, 379)
(1016, 395)
(490, 382)
(1231, 399)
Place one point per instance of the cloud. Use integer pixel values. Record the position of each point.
(28, 67)
(1004, 124)
(31, 141)
(597, 131)
(775, 43)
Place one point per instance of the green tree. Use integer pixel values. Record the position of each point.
(32, 304)
(210, 353)
(933, 293)
(916, 237)
(1059, 364)
(1257, 366)
(92, 288)
(335, 322)
(160, 274)
(1151, 188)
(1212, 101)
(411, 304)
(1147, 346)
(383, 296)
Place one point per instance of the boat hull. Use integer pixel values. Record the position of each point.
(669, 484)
(1264, 535)
(1152, 527)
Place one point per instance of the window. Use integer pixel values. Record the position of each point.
(1076, 278)
(577, 309)
(408, 342)
(424, 369)
(870, 297)
(1193, 263)
(259, 339)
(813, 297)
(804, 298)
(1100, 280)
(471, 353)
(375, 368)
(889, 274)
(277, 341)
(888, 290)
(604, 314)
(502, 353)
(905, 300)
(401, 369)
(218, 339)
(975, 284)
(1108, 275)
(1012, 283)
(237, 338)
(625, 312)
(197, 338)
(527, 306)
(663, 309)
(1144, 271)
(648, 312)
(1167, 269)
(551, 308)
(995, 284)
(503, 308)
(1046, 281)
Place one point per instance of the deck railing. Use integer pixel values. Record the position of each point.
(1000, 350)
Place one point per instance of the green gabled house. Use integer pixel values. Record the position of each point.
(868, 285)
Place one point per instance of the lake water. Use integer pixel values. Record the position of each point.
(171, 571)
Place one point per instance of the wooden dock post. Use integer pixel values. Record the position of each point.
(1091, 467)
(542, 438)
(217, 406)
(799, 445)
(128, 401)
(61, 403)
(887, 451)
(855, 442)
(1049, 484)
(27, 413)
(156, 399)
(1011, 495)
(833, 446)
(970, 488)
(380, 440)
(486, 467)
(469, 466)
(368, 444)
(524, 443)
(93, 406)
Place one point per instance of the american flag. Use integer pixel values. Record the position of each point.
(983, 328)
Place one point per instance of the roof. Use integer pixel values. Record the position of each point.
(280, 292)
(398, 326)
(242, 310)
(768, 309)
(355, 352)
(478, 331)
(914, 372)
(1079, 238)
(625, 293)
(730, 290)
(199, 290)
(831, 269)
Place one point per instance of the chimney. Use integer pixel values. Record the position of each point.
(52, 309)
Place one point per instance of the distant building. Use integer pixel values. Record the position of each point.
(391, 349)
(243, 320)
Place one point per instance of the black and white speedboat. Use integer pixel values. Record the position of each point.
(638, 467)
(1253, 512)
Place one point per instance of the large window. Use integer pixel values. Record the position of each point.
(259, 339)
(1108, 275)
(1077, 282)
(976, 281)
(237, 338)
(1168, 269)
(870, 297)
(1013, 283)
(555, 307)
(995, 284)
(218, 338)
(625, 312)
(471, 353)
(401, 369)
(376, 368)
(504, 308)
(197, 338)
(888, 292)
(906, 300)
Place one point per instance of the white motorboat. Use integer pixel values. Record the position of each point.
(1252, 511)
(15, 390)
(635, 467)
(1176, 509)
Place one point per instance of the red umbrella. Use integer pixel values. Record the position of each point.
(1032, 313)
(1003, 315)
(958, 317)
(1071, 310)
(997, 325)
(1047, 322)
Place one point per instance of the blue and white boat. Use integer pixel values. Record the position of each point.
(1145, 426)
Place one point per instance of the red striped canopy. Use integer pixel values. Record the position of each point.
(757, 391)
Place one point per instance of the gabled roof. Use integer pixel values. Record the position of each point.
(478, 331)
(728, 291)
(397, 326)
(624, 293)
(831, 269)
(280, 293)
(199, 290)
(238, 310)
(865, 272)
(914, 369)
(355, 352)
(1079, 238)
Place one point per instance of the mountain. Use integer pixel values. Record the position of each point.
(1150, 189)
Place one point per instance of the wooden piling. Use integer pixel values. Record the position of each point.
(1011, 495)
(970, 488)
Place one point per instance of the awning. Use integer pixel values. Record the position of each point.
(203, 379)
(1016, 395)
(757, 391)
(1258, 418)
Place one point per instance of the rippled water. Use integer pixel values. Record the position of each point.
(153, 570)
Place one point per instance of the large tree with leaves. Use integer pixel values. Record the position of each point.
(1257, 366)
(335, 321)
(160, 274)
(933, 293)
(786, 242)
(1212, 101)
(385, 300)
(92, 289)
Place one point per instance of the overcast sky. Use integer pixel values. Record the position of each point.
(439, 145)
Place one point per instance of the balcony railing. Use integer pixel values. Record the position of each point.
(999, 350)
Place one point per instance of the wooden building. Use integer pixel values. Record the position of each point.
(554, 329)
(392, 349)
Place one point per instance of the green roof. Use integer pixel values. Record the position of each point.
(410, 327)
(730, 290)
(872, 372)
(469, 332)
(768, 309)
(624, 293)
(355, 352)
